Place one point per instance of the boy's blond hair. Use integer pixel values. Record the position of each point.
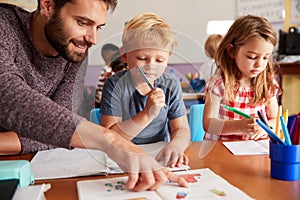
(148, 30)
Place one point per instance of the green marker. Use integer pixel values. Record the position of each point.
(237, 112)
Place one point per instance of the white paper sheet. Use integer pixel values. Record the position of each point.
(32, 192)
(248, 147)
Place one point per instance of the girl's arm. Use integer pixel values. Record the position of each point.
(213, 125)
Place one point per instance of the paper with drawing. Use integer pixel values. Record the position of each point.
(204, 184)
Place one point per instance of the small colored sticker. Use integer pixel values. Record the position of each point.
(181, 195)
(192, 178)
(218, 192)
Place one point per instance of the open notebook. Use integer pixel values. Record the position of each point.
(204, 184)
(64, 163)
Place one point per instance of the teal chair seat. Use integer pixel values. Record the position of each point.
(95, 116)
(195, 122)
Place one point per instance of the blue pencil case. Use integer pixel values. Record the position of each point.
(16, 169)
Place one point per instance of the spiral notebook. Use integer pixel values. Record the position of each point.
(64, 163)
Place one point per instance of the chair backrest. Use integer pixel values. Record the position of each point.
(195, 122)
(95, 115)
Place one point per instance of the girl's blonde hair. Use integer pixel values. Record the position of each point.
(211, 44)
(243, 29)
(148, 31)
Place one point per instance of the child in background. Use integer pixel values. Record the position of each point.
(210, 47)
(107, 51)
(141, 114)
(245, 81)
(116, 64)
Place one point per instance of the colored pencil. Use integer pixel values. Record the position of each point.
(237, 112)
(270, 133)
(285, 132)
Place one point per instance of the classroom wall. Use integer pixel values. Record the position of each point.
(26, 4)
(188, 18)
(290, 95)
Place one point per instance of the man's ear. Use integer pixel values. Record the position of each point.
(230, 50)
(123, 54)
(47, 7)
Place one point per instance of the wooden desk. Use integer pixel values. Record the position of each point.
(249, 173)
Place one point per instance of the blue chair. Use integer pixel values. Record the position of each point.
(95, 115)
(195, 122)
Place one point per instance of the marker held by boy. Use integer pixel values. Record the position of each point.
(237, 112)
(145, 79)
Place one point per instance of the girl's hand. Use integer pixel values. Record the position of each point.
(155, 101)
(251, 130)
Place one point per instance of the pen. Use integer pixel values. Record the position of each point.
(237, 112)
(145, 79)
(285, 132)
(270, 133)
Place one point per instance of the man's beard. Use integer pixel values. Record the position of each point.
(57, 37)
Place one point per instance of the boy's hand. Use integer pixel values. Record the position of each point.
(173, 155)
(155, 101)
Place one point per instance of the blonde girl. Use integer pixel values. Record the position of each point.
(244, 80)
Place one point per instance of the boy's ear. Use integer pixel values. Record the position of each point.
(123, 54)
(47, 8)
(230, 50)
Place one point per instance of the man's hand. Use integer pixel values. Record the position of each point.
(144, 172)
(9, 143)
(151, 181)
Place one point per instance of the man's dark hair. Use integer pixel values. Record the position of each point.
(60, 3)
